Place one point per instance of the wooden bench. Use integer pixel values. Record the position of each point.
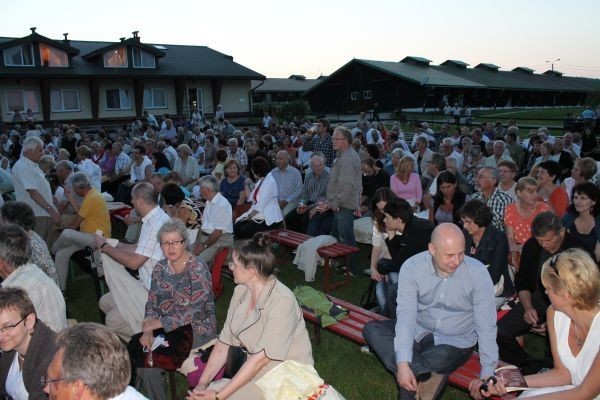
(469, 371)
(293, 240)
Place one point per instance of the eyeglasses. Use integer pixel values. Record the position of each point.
(9, 327)
(174, 243)
(46, 381)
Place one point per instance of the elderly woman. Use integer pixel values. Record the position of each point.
(519, 215)
(187, 166)
(234, 187)
(264, 213)
(47, 164)
(583, 171)
(572, 282)
(90, 168)
(28, 346)
(19, 213)
(473, 162)
(263, 317)
(406, 184)
(487, 244)
(180, 294)
(583, 216)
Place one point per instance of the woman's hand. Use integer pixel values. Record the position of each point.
(202, 394)
(150, 324)
(146, 340)
(376, 276)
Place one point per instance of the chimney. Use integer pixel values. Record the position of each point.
(135, 36)
(33, 28)
(122, 39)
(66, 39)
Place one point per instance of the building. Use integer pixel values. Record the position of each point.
(281, 90)
(414, 83)
(65, 80)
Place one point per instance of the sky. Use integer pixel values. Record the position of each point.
(278, 38)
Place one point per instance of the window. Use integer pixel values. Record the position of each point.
(19, 56)
(367, 95)
(143, 59)
(52, 57)
(21, 100)
(353, 96)
(64, 100)
(155, 98)
(116, 58)
(117, 99)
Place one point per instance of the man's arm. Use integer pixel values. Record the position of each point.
(297, 185)
(124, 254)
(39, 199)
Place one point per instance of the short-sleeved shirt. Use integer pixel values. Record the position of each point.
(274, 325)
(231, 190)
(217, 215)
(522, 226)
(148, 245)
(27, 175)
(94, 212)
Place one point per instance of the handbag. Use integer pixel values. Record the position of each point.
(200, 361)
(170, 349)
(385, 266)
(236, 357)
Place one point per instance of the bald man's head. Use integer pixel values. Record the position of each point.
(447, 248)
(282, 159)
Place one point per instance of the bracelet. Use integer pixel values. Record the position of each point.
(217, 395)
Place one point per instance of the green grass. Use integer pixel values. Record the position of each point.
(341, 363)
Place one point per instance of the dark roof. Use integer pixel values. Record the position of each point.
(180, 61)
(553, 72)
(284, 85)
(416, 60)
(482, 76)
(36, 37)
(455, 63)
(133, 41)
(523, 69)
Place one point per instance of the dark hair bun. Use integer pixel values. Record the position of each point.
(262, 239)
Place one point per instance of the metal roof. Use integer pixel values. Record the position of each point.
(180, 61)
(284, 85)
(455, 63)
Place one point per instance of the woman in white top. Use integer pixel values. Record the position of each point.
(583, 170)
(572, 282)
(187, 166)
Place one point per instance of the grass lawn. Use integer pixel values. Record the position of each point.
(355, 374)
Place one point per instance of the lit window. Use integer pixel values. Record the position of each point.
(118, 99)
(155, 98)
(52, 57)
(21, 100)
(19, 56)
(353, 96)
(143, 59)
(63, 100)
(367, 95)
(116, 58)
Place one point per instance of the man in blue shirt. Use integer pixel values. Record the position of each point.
(445, 306)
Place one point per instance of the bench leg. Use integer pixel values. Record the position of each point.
(326, 275)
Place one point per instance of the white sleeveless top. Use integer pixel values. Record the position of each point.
(578, 366)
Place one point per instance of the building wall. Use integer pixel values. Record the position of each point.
(169, 87)
(32, 85)
(207, 106)
(104, 85)
(234, 96)
(85, 107)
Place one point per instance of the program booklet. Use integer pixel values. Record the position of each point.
(512, 377)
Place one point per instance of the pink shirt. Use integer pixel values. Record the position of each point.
(411, 191)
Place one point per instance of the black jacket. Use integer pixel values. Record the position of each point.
(414, 239)
(39, 354)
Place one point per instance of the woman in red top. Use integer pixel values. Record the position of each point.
(549, 191)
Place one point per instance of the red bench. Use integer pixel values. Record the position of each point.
(293, 239)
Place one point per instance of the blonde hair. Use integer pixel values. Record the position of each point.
(573, 271)
(404, 169)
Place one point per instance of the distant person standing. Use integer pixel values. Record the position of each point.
(344, 189)
(375, 115)
(220, 114)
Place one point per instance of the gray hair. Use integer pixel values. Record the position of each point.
(32, 143)
(318, 155)
(172, 226)
(232, 141)
(344, 131)
(145, 192)
(398, 152)
(80, 180)
(209, 182)
(448, 141)
(185, 148)
(493, 172)
(94, 355)
(499, 143)
(422, 139)
(66, 164)
(15, 247)
(47, 162)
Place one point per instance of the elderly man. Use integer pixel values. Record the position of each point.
(124, 304)
(217, 222)
(91, 216)
(485, 183)
(321, 141)
(507, 171)
(447, 149)
(313, 192)
(344, 189)
(570, 146)
(17, 271)
(422, 155)
(499, 155)
(32, 188)
(289, 182)
(237, 153)
(445, 306)
(391, 166)
(76, 374)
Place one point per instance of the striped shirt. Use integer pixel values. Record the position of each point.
(289, 183)
(497, 202)
(315, 188)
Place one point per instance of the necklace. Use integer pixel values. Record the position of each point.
(578, 341)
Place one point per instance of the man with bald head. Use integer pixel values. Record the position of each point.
(445, 307)
(289, 182)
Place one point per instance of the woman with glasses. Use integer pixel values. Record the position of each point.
(572, 282)
(263, 317)
(180, 294)
(27, 345)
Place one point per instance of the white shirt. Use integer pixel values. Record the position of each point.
(137, 172)
(14, 385)
(93, 172)
(217, 215)
(148, 245)
(130, 394)
(171, 155)
(28, 175)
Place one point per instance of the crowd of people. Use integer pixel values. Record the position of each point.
(463, 220)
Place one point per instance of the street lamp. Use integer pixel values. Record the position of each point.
(552, 63)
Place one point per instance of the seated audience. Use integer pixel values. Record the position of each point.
(583, 171)
(234, 187)
(264, 317)
(289, 182)
(548, 189)
(373, 178)
(493, 197)
(219, 169)
(572, 282)
(17, 271)
(448, 200)
(406, 184)
(88, 167)
(582, 219)
(507, 171)
(187, 166)
(27, 345)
